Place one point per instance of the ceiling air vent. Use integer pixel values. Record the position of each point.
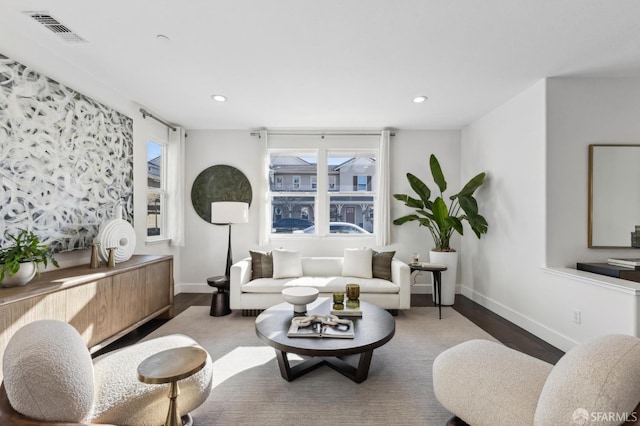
(48, 21)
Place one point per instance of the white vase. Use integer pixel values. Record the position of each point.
(450, 260)
(25, 274)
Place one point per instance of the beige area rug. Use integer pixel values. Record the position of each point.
(248, 388)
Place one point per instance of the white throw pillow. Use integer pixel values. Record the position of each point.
(357, 263)
(286, 263)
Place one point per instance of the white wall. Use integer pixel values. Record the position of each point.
(206, 245)
(534, 148)
(583, 111)
(501, 271)
(55, 67)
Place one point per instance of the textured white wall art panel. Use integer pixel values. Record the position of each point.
(66, 160)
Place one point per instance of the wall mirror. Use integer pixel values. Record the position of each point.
(614, 196)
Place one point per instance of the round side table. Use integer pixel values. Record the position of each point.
(219, 299)
(436, 269)
(168, 367)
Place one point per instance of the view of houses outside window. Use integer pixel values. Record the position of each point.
(349, 184)
(351, 200)
(156, 191)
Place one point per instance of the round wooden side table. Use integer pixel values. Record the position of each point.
(169, 366)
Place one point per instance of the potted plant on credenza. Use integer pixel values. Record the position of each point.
(442, 220)
(19, 261)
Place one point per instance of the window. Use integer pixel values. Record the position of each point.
(351, 202)
(292, 192)
(344, 194)
(332, 182)
(156, 190)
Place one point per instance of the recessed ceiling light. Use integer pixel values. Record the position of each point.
(162, 38)
(219, 98)
(419, 99)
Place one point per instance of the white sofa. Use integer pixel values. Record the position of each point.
(323, 273)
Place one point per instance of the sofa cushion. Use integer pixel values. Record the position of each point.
(597, 377)
(286, 263)
(261, 264)
(381, 264)
(322, 266)
(357, 263)
(324, 284)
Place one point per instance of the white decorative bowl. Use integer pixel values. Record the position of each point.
(299, 297)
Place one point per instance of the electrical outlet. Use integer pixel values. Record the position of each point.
(577, 316)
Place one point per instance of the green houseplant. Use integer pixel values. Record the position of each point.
(24, 249)
(442, 220)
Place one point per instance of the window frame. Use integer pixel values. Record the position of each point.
(326, 186)
(161, 192)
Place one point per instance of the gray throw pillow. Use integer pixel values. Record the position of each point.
(381, 264)
(261, 265)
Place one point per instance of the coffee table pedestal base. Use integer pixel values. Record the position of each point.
(358, 374)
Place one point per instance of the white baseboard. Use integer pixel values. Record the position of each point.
(193, 288)
(420, 288)
(545, 333)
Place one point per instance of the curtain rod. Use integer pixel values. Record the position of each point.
(146, 114)
(321, 134)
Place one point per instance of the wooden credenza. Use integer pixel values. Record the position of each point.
(103, 304)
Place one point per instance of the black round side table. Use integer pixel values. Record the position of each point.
(436, 269)
(219, 299)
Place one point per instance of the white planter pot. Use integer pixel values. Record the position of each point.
(450, 259)
(25, 274)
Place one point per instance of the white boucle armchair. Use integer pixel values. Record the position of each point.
(50, 379)
(486, 383)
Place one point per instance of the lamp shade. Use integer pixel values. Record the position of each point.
(229, 212)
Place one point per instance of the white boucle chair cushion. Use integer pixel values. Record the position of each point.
(121, 399)
(48, 374)
(488, 384)
(598, 379)
(357, 263)
(286, 263)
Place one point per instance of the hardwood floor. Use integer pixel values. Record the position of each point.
(503, 330)
(506, 332)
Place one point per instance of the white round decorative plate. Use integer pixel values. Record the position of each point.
(116, 233)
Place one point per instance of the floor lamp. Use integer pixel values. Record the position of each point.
(226, 213)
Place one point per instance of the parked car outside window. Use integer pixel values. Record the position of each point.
(339, 228)
(289, 224)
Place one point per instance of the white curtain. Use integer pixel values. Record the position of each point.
(382, 209)
(175, 187)
(264, 236)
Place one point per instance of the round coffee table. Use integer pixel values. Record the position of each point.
(374, 329)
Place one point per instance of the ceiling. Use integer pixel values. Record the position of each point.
(332, 64)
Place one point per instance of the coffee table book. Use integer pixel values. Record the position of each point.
(628, 262)
(317, 329)
(347, 312)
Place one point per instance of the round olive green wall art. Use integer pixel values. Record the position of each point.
(219, 183)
